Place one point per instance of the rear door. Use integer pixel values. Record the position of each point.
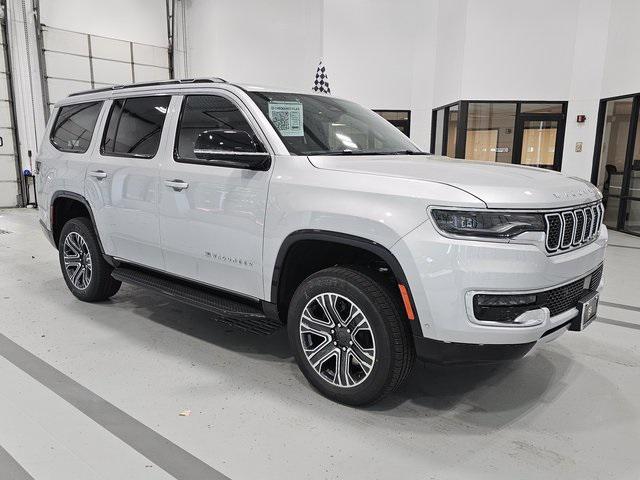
(122, 179)
(212, 215)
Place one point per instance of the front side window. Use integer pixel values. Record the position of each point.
(322, 125)
(211, 124)
(74, 126)
(135, 125)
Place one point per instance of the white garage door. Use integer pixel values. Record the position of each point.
(8, 173)
(75, 61)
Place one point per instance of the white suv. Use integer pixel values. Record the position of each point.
(271, 208)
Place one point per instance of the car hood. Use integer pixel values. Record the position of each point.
(498, 185)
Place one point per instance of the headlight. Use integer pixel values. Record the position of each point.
(487, 223)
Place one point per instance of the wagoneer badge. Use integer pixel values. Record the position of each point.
(573, 194)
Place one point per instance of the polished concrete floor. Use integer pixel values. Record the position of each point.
(95, 391)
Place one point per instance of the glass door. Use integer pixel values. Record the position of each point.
(613, 154)
(537, 141)
(631, 182)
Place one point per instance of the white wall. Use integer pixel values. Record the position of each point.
(276, 43)
(142, 21)
(381, 53)
(586, 84)
(622, 67)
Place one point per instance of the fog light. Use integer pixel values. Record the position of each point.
(504, 300)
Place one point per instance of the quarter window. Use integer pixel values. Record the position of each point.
(135, 125)
(219, 120)
(74, 126)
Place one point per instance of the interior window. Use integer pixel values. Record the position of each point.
(74, 126)
(135, 126)
(219, 120)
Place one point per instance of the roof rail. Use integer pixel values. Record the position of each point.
(152, 84)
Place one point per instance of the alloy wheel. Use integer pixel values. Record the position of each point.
(337, 340)
(77, 260)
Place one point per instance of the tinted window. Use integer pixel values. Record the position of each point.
(135, 126)
(74, 126)
(208, 113)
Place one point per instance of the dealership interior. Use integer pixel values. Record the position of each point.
(141, 386)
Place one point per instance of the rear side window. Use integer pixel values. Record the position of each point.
(134, 127)
(73, 128)
(208, 113)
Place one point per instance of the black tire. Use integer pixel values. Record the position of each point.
(100, 284)
(394, 352)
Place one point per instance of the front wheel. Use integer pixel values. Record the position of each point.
(348, 336)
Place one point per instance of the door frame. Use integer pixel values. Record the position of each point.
(624, 197)
(518, 135)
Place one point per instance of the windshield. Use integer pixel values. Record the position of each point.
(322, 125)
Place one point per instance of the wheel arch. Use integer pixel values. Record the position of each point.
(66, 205)
(281, 269)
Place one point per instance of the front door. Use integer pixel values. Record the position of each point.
(537, 141)
(122, 179)
(212, 216)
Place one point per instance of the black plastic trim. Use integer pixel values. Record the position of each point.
(447, 353)
(344, 239)
(236, 310)
(47, 232)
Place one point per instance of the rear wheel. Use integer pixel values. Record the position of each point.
(348, 336)
(84, 269)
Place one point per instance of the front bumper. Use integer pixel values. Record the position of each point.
(443, 273)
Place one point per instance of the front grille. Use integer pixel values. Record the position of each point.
(566, 297)
(572, 228)
(557, 300)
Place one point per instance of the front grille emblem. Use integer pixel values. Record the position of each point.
(573, 228)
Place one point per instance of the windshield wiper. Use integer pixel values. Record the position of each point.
(410, 152)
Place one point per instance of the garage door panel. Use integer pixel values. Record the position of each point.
(150, 55)
(6, 121)
(62, 65)
(110, 49)
(8, 192)
(4, 87)
(8, 146)
(7, 169)
(59, 89)
(108, 71)
(64, 41)
(150, 74)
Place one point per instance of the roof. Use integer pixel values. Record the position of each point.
(102, 93)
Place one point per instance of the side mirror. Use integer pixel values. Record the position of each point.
(231, 148)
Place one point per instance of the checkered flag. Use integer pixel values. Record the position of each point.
(322, 80)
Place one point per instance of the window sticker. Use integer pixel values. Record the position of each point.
(287, 118)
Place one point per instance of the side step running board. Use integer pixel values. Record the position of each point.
(242, 315)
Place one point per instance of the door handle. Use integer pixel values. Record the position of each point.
(177, 185)
(99, 174)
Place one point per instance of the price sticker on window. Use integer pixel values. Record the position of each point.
(287, 118)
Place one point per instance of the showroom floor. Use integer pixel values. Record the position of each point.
(95, 391)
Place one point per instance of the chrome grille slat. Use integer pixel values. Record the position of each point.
(572, 228)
